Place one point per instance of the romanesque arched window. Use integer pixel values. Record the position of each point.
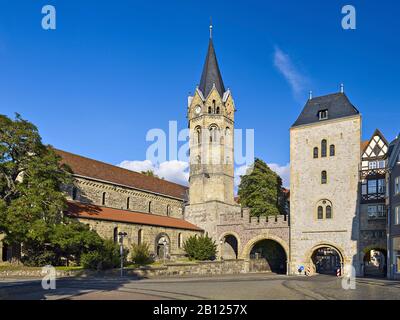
(180, 240)
(324, 177)
(320, 213)
(332, 150)
(214, 133)
(168, 210)
(323, 148)
(103, 199)
(149, 207)
(324, 209)
(140, 236)
(128, 202)
(209, 109)
(198, 135)
(217, 110)
(115, 235)
(214, 109)
(315, 153)
(328, 213)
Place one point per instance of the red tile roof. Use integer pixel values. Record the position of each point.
(90, 211)
(364, 145)
(94, 169)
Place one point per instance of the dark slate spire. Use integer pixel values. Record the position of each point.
(211, 74)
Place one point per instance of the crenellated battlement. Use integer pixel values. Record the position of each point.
(242, 217)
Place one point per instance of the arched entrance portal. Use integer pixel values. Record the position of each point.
(375, 262)
(326, 260)
(229, 247)
(268, 255)
(162, 244)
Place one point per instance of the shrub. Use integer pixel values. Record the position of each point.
(92, 260)
(200, 248)
(141, 254)
(106, 257)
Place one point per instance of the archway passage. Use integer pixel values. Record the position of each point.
(230, 247)
(162, 246)
(268, 255)
(375, 262)
(326, 260)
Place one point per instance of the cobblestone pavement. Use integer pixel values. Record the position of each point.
(249, 286)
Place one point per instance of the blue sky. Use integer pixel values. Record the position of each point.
(112, 70)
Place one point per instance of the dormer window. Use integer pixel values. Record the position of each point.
(323, 114)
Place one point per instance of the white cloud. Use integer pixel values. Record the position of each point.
(178, 171)
(296, 80)
(283, 172)
(174, 170)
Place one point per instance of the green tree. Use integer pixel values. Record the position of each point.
(31, 177)
(261, 190)
(200, 248)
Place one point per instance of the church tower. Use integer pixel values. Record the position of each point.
(210, 114)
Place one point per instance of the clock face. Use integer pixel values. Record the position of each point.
(197, 110)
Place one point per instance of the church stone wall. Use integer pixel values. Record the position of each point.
(91, 191)
(340, 232)
(149, 234)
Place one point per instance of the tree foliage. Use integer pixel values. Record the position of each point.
(200, 248)
(59, 244)
(30, 180)
(105, 257)
(261, 190)
(32, 201)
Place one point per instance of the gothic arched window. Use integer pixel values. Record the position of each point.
(323, 148)
(324, 177)
(332, 150)
(217, 110)
(209, 109)
(315, 152)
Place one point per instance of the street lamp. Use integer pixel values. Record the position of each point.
(122, 235)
